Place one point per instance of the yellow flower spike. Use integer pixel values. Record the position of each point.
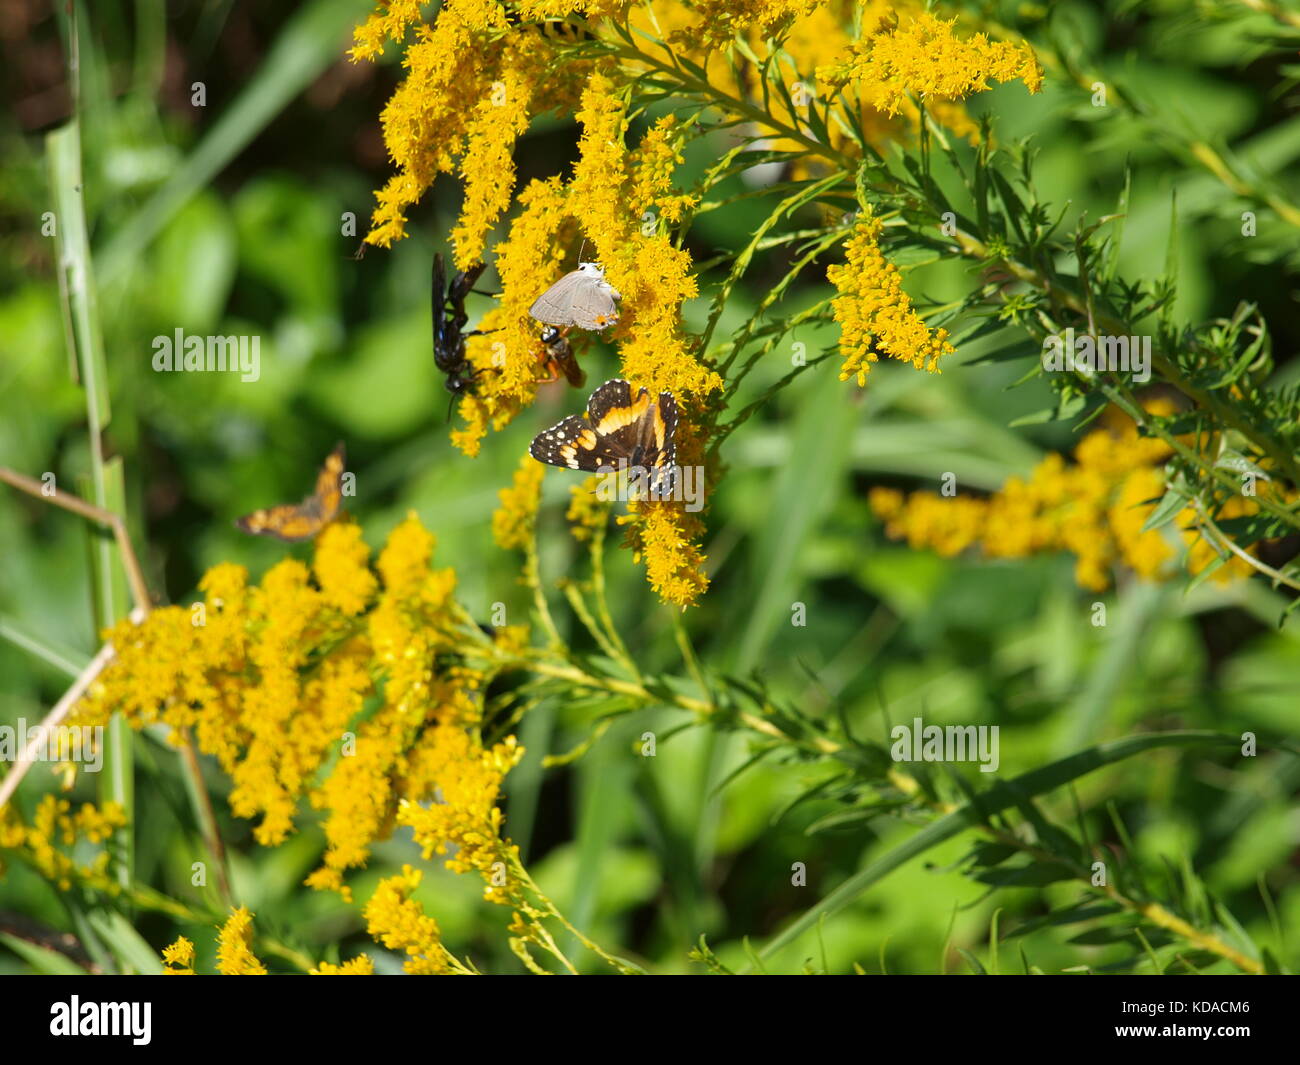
(394, 919)
(291, 608)
(923, 57)
(178, 959)
(653, 162)
(1093, 508)
(664, 536)
(55, 832)
(488, 166)
(234, 946)
(875, 313)
(600, 174)
(511, 640)
(586, 514)
(404, 561)
(361, 965)
(391, 23)
(721, 20)
(426, 121)
(513, 522)
(341, 569)
(533, 251)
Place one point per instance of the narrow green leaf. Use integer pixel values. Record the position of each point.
(46, 962)
(1001, 796)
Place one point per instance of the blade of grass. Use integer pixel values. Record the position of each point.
(1138, 610)
(63, 152)
(1001, 796)
(46, 962)
(599, 773)
(803, 491)
(62, 658)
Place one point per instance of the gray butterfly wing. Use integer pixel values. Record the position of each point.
(592, 305)
(577, 299)
(555, 305)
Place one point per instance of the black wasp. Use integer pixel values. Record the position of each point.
(449, 320)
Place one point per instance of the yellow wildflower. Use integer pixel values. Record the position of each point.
(924, 57)
(488, 166)
(341, 569)
(397, 921)
(465, 815)
(1094, 508)
(533, 251)
(49, 841)
(721, 20)
(875, 313)
(586, 513)
(653, 276)
(653, 163)
(664, 535)
(361, 965)
(513, 522)
(426, 122)
(234, 947)
(178, 959)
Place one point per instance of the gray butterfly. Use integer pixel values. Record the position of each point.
(581, 297)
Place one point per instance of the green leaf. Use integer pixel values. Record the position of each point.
(1170, 506)
(130, 948)
(45, 961)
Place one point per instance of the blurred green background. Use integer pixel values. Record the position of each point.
(228, 219)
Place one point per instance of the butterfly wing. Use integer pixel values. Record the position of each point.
(659, 443)
(617, 431)
(621, 420)
(329, 484)
(555, 305)
(592, 304)
(294, 522)
(570, 444)
(291, 522)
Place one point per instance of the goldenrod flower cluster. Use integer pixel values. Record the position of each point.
(923, 57)
(361, 965)
(480, 72)
(586, 514)
(273, 678)
(178, 958)
(397, 921)
(55, 830)
(513, 523)
(875, 313)
(235, 955)
(1094, 508)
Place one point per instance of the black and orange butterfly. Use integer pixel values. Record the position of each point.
(617, 432)
(301, 521)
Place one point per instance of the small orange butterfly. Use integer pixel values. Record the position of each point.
(301, 521)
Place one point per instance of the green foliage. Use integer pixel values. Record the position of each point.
(1120, 744)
